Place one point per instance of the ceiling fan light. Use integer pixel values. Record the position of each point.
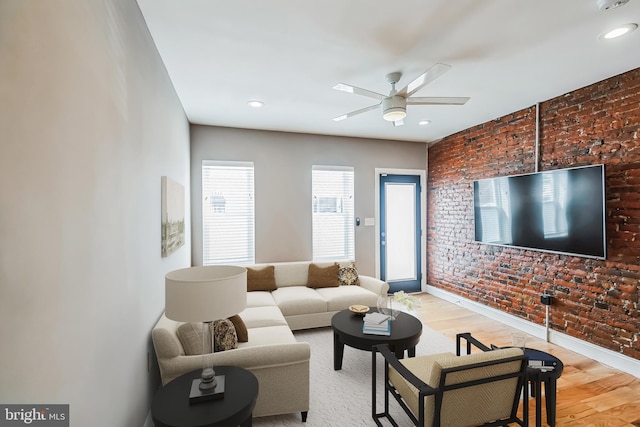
(394, 108)
(394, 114)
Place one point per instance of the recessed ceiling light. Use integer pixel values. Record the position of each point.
(424, 122)
(620, 31)
(255, 103)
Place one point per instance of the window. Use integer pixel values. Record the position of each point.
(332, 207)
(228, 226)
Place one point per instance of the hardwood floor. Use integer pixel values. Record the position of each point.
(589, 393)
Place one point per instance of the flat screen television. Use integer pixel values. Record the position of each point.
(561, 211)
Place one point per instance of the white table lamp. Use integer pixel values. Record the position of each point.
(206, 294)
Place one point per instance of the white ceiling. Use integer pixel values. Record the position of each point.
(505, 54)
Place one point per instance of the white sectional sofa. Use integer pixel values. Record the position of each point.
(272, 353)
(304, 307)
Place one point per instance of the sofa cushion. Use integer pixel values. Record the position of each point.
(261, 279)
(293, 300)
(342, 297)
(240, 327)
(224, 335)
(269, 335)
(323, 277)
(348, 275)
(190, 336)
(260, 299)
(255, 317)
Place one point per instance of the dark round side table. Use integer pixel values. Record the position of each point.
(544, 368)
(347, 330)
(548, 373)
(171, 408)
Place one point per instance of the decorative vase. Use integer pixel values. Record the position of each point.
(385, 306)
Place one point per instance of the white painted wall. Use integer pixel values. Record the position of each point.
(283, 163)
(89, 122)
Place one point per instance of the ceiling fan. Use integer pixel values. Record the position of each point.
(394, 105)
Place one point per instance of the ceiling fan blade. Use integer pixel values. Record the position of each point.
(398, 122)
(358, 91)
(356, 112)
(438, 100)
(424, 78)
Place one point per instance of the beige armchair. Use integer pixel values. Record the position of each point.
(480, 389)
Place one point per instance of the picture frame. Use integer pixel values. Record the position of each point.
(172, 211)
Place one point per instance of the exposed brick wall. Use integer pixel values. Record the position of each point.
(597, 300)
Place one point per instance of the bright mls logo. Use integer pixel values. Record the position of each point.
(36, 415)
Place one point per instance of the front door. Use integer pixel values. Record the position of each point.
(400, 232)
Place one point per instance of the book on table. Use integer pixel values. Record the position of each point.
(383, 328)
(375, 318)
(376, 324)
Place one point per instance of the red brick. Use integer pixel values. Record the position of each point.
(596, 300)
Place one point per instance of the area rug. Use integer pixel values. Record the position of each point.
(343, 398)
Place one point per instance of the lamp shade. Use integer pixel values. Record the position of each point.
(205, 293)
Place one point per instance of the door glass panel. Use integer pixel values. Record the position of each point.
(400, 231)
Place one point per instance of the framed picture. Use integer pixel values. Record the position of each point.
(172, 216)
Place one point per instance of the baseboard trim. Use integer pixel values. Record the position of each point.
(592, 351)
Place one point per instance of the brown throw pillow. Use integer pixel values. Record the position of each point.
(241, 328)
(323, 277)
(348, 275)
(224, 335)
(263, 279)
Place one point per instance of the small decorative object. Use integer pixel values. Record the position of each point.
(385, 306)
(359, 309)
(406, 300)
(519, 339)
(392, 304)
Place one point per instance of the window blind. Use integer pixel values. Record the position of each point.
(228, 213)
(333, 212)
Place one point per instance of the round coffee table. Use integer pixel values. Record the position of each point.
(347, 330)
(171, 408)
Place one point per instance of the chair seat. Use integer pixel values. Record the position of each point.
(474, 389)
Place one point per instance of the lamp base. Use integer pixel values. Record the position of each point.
(196, 395)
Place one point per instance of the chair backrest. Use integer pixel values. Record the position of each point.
(476, 388)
